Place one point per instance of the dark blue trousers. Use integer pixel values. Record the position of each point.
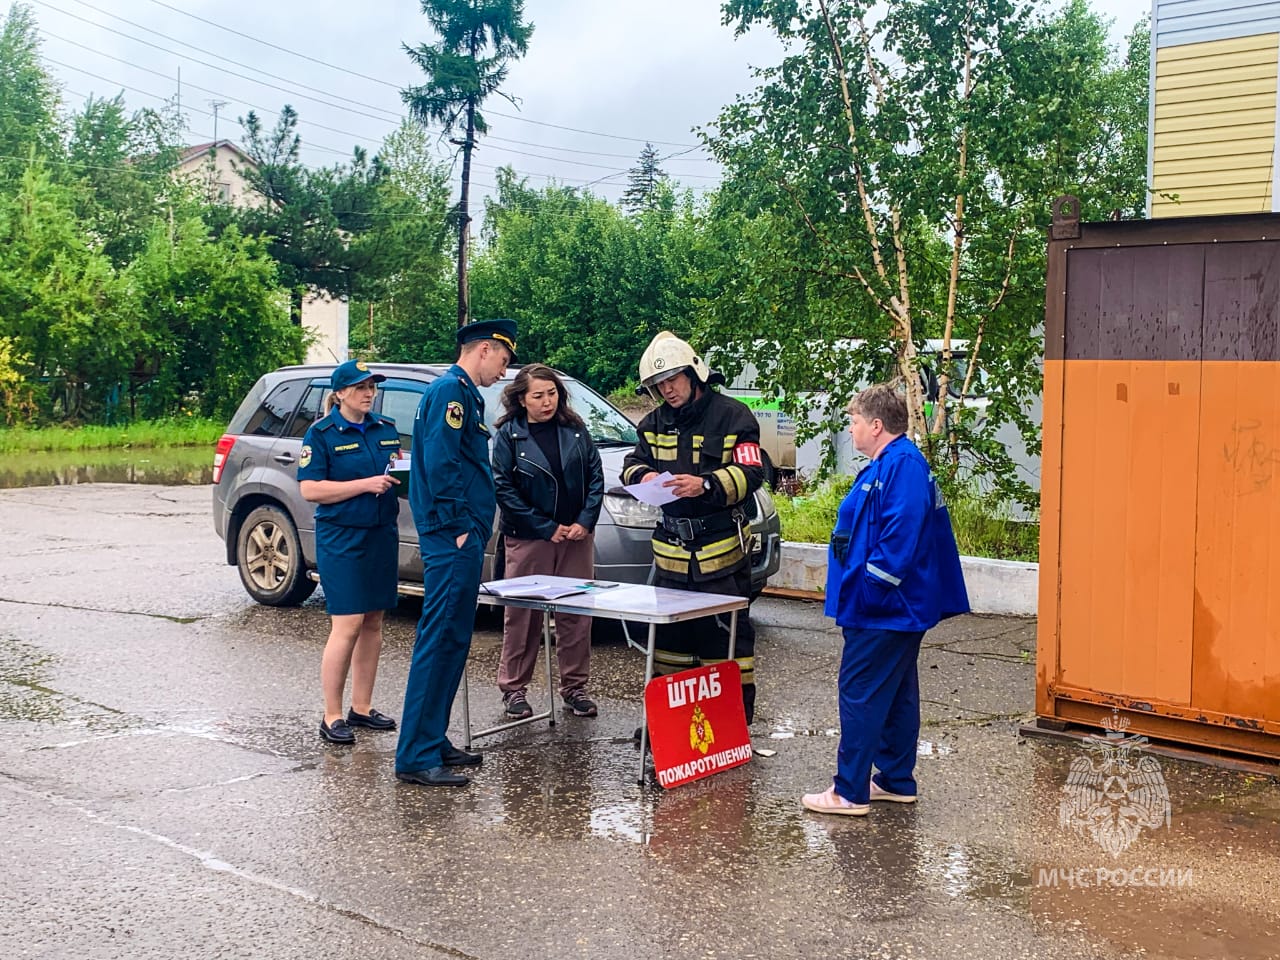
(879, 712)
(451, 578)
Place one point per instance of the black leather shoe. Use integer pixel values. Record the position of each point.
(337, 732)
(453, 757)
(373, 720)
(435, 777)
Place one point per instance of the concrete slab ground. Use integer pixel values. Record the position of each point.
(165, 794)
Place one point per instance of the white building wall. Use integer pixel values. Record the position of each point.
(326, 319)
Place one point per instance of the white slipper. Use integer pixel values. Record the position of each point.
(880, 793)
(831, 802)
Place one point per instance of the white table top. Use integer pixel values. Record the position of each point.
(625, 601)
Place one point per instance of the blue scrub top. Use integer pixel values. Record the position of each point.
(334, 449)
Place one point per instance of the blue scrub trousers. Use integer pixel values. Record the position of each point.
(451, 576)
(879, 712)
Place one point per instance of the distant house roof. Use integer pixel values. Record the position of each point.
(200, 149)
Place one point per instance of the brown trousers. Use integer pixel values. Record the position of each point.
(522, 629)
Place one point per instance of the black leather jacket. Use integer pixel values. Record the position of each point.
(527, 491)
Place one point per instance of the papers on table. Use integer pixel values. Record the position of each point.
(652, 491)
(532, 588)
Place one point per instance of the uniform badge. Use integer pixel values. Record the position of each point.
(453, 414)
(362, 366)
(305, 459)
(700, 734)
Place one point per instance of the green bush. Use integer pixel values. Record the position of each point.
(810, 517)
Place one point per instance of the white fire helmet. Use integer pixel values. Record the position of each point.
(666, 356)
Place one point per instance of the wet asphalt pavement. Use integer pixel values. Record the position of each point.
(165, 794)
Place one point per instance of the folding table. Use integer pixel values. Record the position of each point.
(613, 601)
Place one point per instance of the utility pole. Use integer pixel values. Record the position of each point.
(217, 105)
(213, 153)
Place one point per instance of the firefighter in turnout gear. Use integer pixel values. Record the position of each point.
(710, 443)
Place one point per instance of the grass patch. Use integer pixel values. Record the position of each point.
(811, 516)
(175, 432)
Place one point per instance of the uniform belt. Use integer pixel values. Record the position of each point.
(690, 528)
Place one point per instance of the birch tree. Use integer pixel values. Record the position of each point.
(889, 181)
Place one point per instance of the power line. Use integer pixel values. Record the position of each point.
(387, 83)
(216, 93)
(211, 53)
(577, 182)
(298, 84)
(389, 114)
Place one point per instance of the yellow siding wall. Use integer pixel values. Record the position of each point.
(1215, 126)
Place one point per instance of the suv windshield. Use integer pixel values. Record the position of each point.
(607, 425)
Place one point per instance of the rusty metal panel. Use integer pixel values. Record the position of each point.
(1160, 541)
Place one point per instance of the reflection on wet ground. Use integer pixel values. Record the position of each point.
(181, 754)
(169, 466)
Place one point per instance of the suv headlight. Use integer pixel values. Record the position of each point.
(630, 512)
(766, 504)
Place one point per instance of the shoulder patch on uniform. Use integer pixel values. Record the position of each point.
(305, 459)
(453, 414)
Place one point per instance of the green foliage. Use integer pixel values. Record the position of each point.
(811, 516)
(890, 181)
(643, 181)
(29, 125)
(58, 300)
(478, 41)
(982, 533)
(588, 285)
(214, 317)
(175, 432)
(121, 166)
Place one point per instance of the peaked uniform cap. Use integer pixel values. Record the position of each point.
(504, 331)
(352, 372)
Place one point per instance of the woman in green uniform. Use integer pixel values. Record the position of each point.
(343, 469)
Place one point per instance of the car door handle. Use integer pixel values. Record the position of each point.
(285, 458)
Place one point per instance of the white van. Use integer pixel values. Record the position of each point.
(778, 429)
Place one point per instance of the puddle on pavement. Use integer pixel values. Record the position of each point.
(169, 466)
(27, 693)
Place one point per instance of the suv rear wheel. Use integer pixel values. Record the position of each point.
(269, 557)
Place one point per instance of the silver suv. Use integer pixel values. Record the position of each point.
(269, 531)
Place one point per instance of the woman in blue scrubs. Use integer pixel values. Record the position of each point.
(344, 469)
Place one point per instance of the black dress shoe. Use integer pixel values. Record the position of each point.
(373, 720)
(337, 732)
(453, 757)
(435, 777)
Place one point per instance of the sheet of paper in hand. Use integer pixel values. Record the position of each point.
(652, 491)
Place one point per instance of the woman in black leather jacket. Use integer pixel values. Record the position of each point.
(550, 485)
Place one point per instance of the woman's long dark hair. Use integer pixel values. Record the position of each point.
(513, 396)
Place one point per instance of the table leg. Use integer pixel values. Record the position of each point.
(466, 710)
(548, 714)
(546, 655)
(644, 710)
(733, 633)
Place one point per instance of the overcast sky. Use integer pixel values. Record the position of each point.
(622, 71)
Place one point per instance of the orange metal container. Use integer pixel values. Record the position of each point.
(1160, 483)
